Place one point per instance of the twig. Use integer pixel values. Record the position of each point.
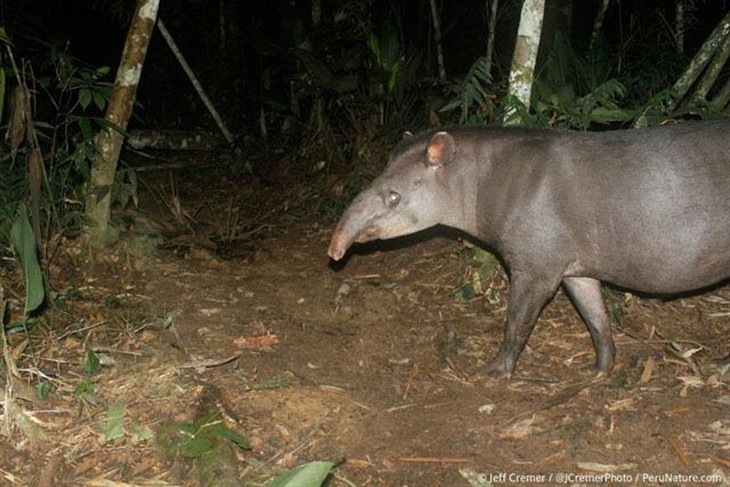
(208, 363)
(434, 460)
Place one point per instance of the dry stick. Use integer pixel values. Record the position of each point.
(679, 450)
(561, 397)
(9, 365)
(194, 80)
(434, 460)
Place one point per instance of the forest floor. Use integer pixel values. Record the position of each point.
(375, 364)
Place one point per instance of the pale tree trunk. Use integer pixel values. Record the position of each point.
(702, 58)
(598, 23)
(437, 38)
(522, 73)
(722, 97)
(109, 141)
(492, 6)
(712, 72)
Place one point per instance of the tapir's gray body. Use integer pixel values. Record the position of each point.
(645, 209)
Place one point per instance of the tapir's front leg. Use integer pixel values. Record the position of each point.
(528, 294)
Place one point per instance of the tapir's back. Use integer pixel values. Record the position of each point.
(651, 202)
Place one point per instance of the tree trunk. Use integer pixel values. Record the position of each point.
(522, 73)
(109, 141)
(492, 6)
(599, 21)
(722, 97)
(712, 72)
(702, 58)
(437, 37)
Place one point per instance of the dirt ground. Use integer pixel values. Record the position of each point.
(375, 364)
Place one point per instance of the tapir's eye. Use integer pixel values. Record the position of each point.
(393, 199)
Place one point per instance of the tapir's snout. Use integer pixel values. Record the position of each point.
(338, 245)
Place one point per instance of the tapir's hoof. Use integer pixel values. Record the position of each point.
(603, 367)
(595, 370)
(497, 371)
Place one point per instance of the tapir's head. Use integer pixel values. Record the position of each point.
(411, 195)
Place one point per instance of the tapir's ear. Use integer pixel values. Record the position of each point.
(441, 149)
(407, 135)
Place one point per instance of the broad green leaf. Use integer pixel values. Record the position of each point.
(141, 433)
(196, 447)
(99, 101)
(25, 246)
(113, 425)
(606, 115)
(310, 474)
(84, 97)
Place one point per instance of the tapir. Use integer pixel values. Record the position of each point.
(645, 209)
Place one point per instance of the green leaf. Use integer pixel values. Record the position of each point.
(219, 429)
(99, 101)
(42, 390)
(196, 447)
(84, 97)
(85, 390)
(606, 115)
(465, 292)
(141, 433)
(85, 126)
(113, 425)
(310, 474)
(91, 362)
(25, 247)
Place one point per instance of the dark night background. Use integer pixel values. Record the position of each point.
(262, 62)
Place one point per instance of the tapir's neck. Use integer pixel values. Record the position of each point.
(461, 207)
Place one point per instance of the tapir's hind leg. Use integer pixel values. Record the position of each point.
(528, 294)
(586, 295)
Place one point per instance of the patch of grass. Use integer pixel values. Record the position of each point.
(627, 375)
(618, 313)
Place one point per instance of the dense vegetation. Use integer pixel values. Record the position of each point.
(330, 79)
